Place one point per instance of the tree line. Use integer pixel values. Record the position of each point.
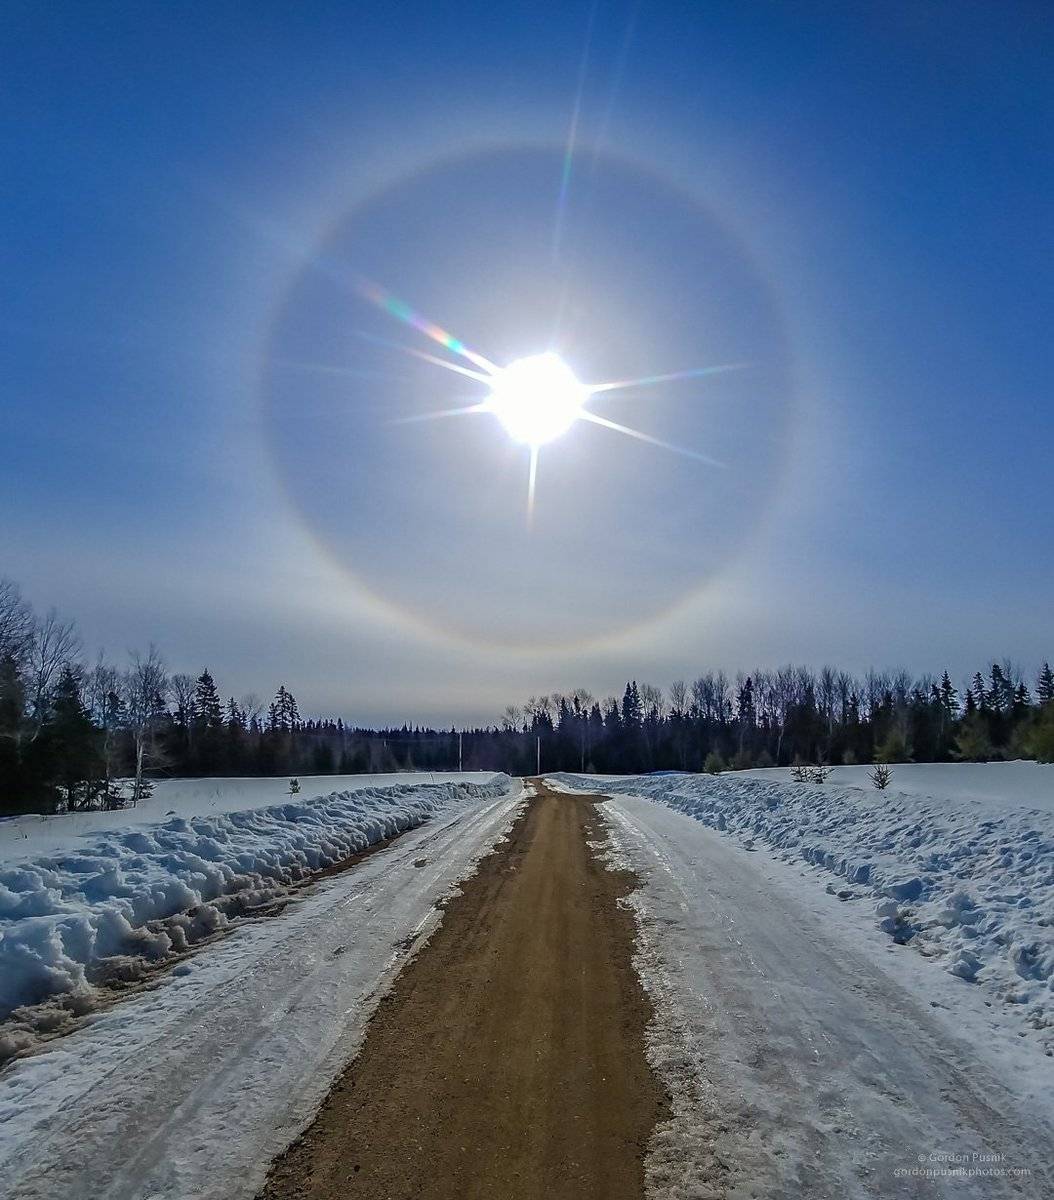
(789, 716)
(77, 735)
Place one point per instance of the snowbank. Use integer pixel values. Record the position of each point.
(31, 834)
(124, 897)
(969, 883)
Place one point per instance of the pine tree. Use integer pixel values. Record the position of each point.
(208, 711)
(746, 713)
(631, 707)
(1022, 701)
(73, 744)
(207, 725)
(1001, 691)
(1045, 685)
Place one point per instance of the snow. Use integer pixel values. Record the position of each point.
(191, 1088)
(118, 899)
(967, 882)
(32, 834)
(806, 1054)
(1004, 784)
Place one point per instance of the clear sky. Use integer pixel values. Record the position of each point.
(203, 434)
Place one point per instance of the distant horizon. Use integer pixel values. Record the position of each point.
(1027, 672)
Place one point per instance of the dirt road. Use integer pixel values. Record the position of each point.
(508, 1061)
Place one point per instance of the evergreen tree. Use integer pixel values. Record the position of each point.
(632, 714)
(1045, 685)
(208, 711)
(207, 727)
(1022, 701)
(73, 744)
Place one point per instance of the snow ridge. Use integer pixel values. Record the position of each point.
(966, 882)
(143, 893)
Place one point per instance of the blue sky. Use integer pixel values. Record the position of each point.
(197, 403)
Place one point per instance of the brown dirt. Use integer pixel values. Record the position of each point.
(508, 1060)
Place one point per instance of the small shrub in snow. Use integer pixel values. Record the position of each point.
(819, 774)
(294, 786)
(714, 764)
(881, 775)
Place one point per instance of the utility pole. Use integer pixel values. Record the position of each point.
(460, 756)
(538, 755)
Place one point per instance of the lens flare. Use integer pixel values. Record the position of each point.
(537, 398)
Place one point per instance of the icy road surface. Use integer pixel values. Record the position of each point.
(809, 1056)
(190, 1090)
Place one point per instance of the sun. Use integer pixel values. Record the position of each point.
(537, 398)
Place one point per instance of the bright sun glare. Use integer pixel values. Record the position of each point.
(537, 398)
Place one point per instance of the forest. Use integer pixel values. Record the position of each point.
(85, 735)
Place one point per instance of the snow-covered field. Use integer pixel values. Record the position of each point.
(967, 882)
(189, 1089)
(117, 891)
(1002, 784)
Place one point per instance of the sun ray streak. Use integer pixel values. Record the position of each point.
(670, 377)
(586, 415)
(572, 135)
(399, 309)
(441, 414)
(424, 357)
(617, 76)
(290, 364)
(532, 480)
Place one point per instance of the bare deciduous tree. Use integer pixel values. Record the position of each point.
(678, 698)
(145, 685)
(16, 623)
(252, 708)
(102, 688)
(54, 645)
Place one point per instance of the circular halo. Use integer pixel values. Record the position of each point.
(401, 603)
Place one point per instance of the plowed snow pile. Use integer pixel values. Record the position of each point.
(968, 882)
(148, 891)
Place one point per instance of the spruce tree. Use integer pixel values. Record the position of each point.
(207, 722)
(208, 711)
(74, 745)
